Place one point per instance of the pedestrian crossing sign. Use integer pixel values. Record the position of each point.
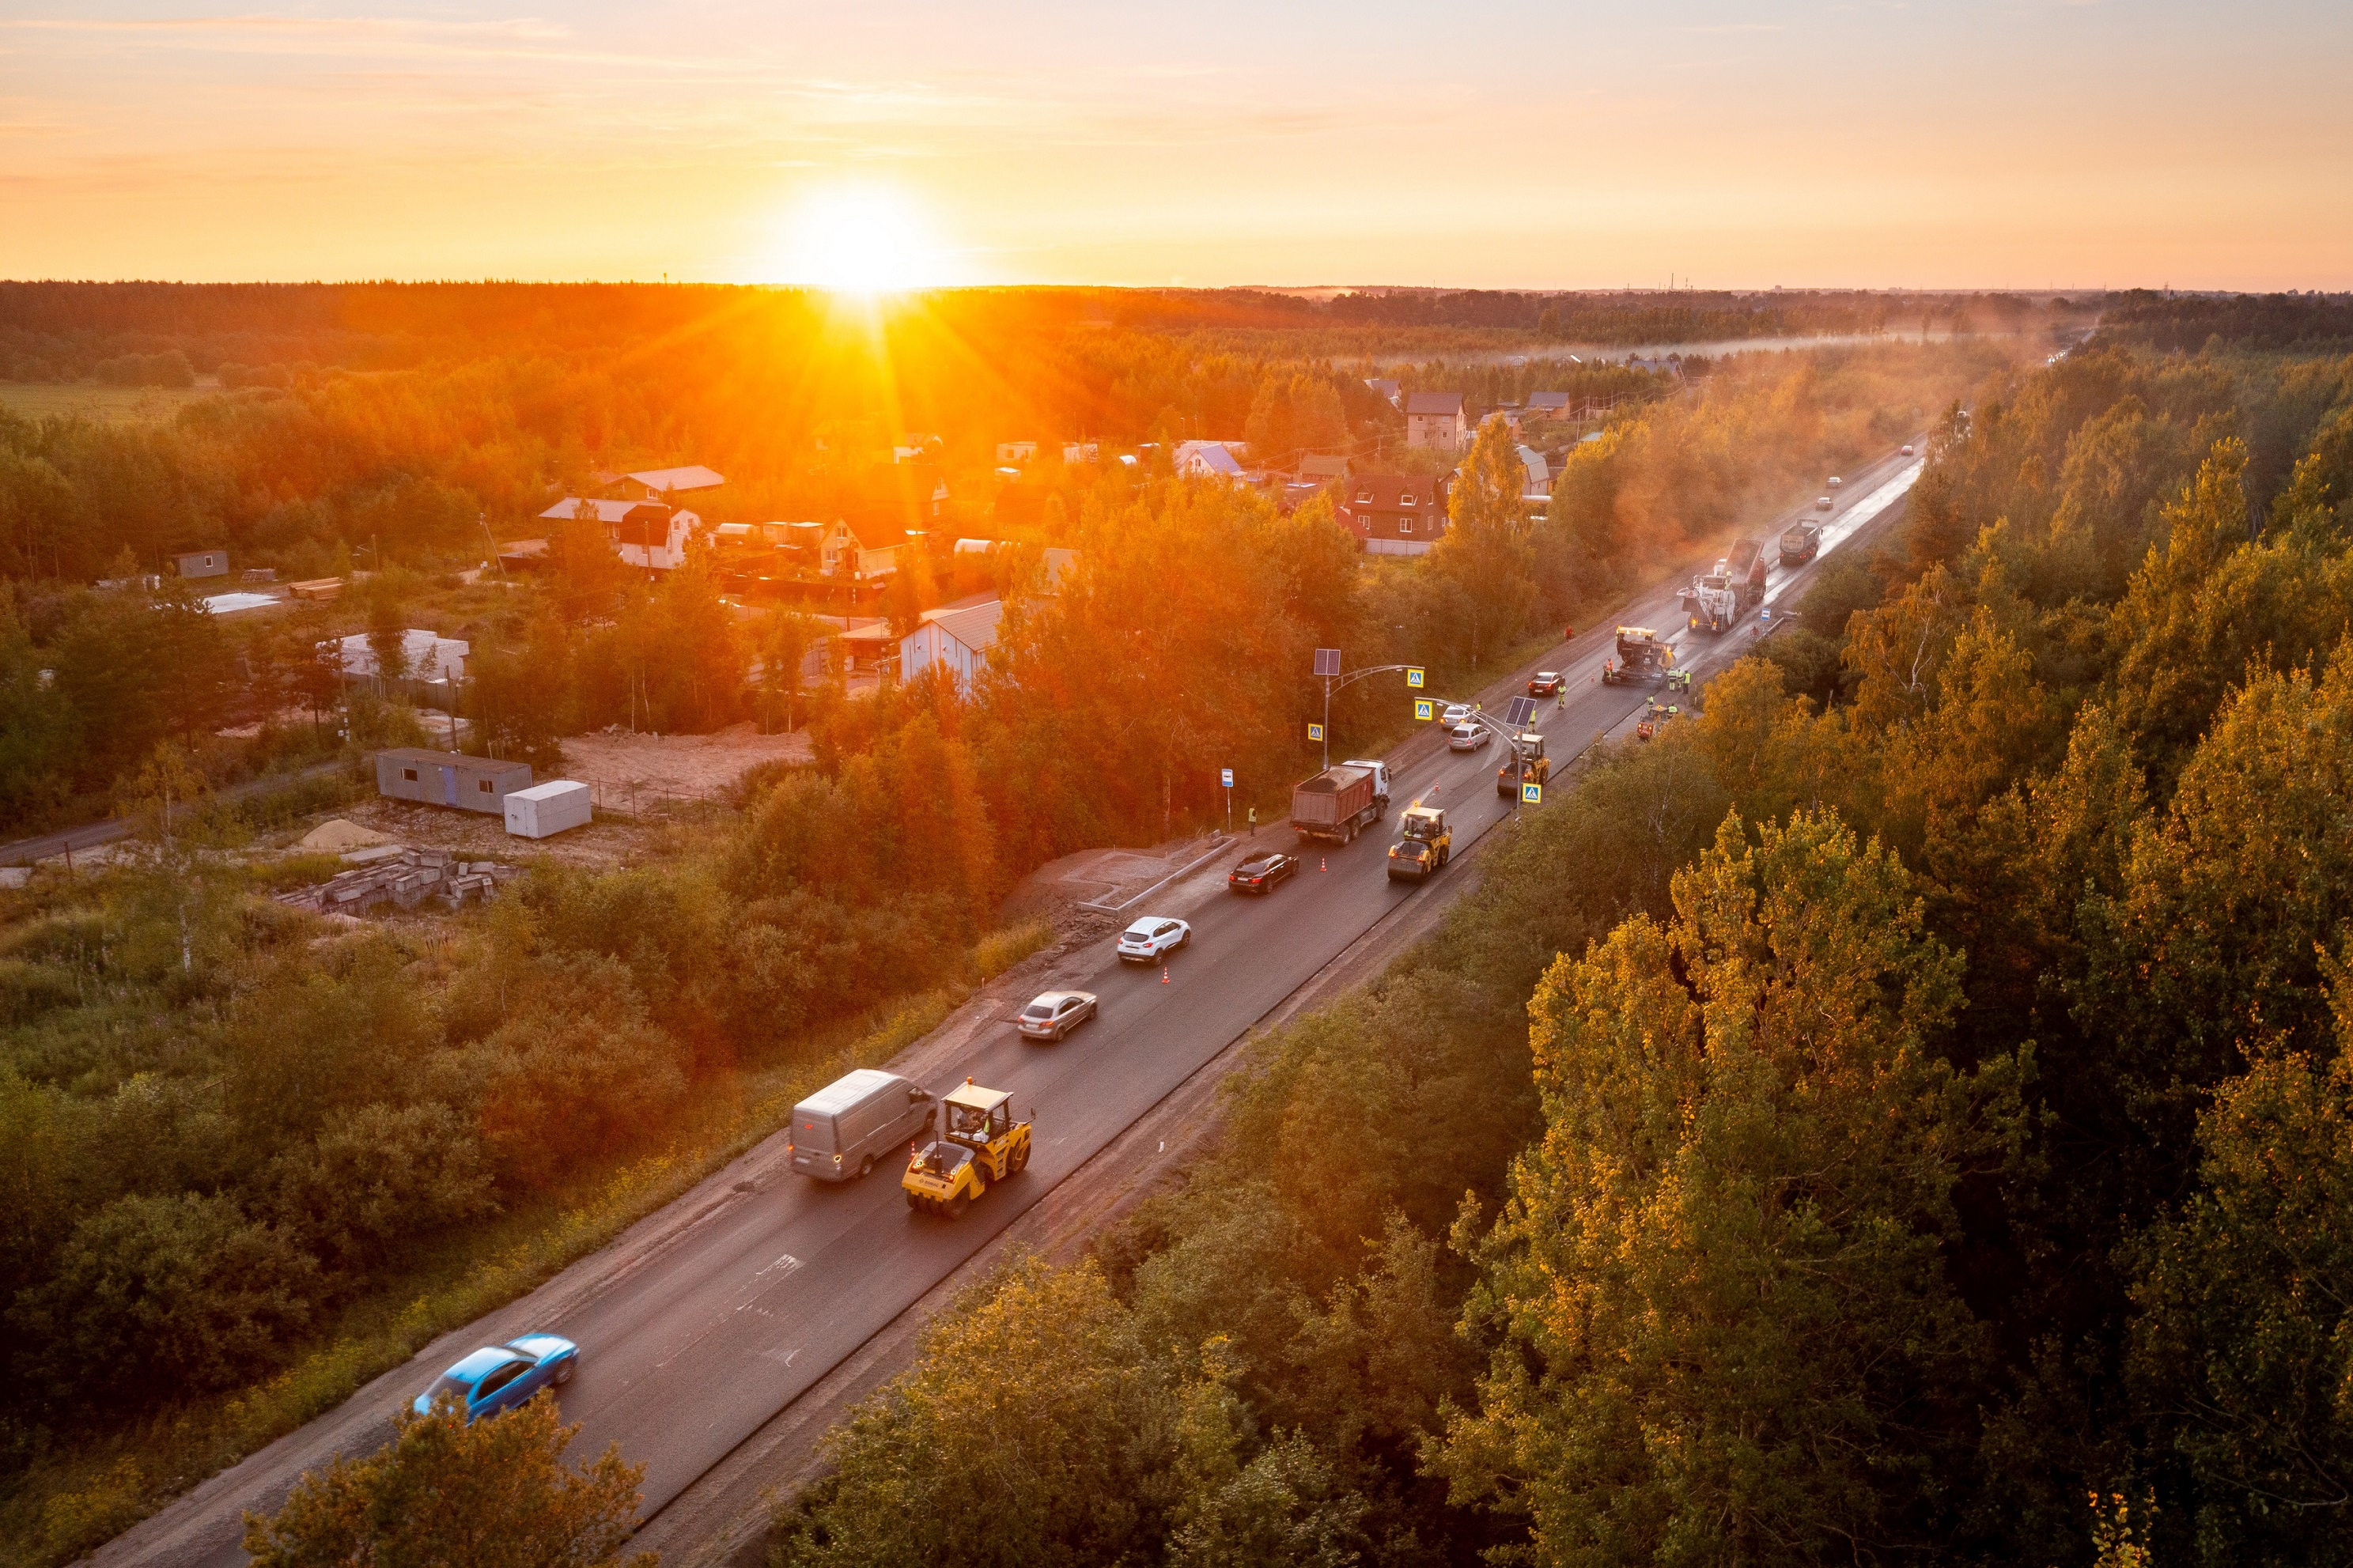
(1532, 794)
(1424, 709)
(1413, 677)
(1314, 732)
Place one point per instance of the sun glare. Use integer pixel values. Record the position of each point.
(861, 240)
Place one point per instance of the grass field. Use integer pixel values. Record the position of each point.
(107, 405)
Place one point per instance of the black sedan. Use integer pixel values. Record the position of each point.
(1544, 683)
(1259, 873)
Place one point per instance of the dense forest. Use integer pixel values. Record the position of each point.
(1903, 1115)
(234, 1132)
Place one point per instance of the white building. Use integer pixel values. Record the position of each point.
(1207, 460)
(427, 657)
(957, 639)
(644, 533)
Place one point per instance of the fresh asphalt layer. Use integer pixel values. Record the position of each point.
(698, 1327)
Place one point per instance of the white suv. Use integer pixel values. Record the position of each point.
(1152, 939)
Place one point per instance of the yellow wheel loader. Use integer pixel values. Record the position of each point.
(982, 1145)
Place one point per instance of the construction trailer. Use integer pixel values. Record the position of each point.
(542, 811)
(449, 778)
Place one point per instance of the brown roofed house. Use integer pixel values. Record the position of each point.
(1395, 514)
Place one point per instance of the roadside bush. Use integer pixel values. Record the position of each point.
(182, 1293)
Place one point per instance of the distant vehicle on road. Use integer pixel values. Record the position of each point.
(1055, 1013)
(1718, 600)
(840, 1131)
(983, 1145)
(1340, 802)
(1260, 873)
(1800, 543)
(1526, 765)
(1642, 658)
(501, 1377)
(1821, 503)
(1153, 938)
(1544, 683)
(1466, 737)
(1835, 482)
(1907, 448)
(1425, 847)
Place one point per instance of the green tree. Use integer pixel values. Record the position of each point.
(2242, 1348)
(1485, 553)
(488, 1494)
(1724, 1325)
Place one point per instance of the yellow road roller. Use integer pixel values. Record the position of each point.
(982, 1146)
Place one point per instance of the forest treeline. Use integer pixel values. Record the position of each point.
(225, 1124)
(1901, 1115)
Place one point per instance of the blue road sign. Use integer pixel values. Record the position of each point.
(1225, 777)
(1423, 707)
(1314, 732)
(1532, 794)
(1415, 678)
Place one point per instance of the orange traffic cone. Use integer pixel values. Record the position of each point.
(1320, 866)
(1163, 974)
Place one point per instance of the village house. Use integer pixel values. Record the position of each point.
(1395, 514)
(1547, 405)
(659, 484)
(1434, 419)
(1384, 387)
(645, 534)
(1208, 460)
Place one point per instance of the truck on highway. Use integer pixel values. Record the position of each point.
(841, 1130)
(1642, 658)
(1718, 600)
(1340, 802)
(983, 1145)
(1800, 543)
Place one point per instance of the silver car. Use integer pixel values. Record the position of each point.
(1055, 1013)
(1466, 737)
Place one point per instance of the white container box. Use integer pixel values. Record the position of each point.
(545, 810)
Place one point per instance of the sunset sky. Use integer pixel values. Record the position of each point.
(1560, 144)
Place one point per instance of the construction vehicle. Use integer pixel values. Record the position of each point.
(982, 1145)
(1642, 658)
(1339, 802)
(1717, 599)
(1527, 764)
(1426, 845)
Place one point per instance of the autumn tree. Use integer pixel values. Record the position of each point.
(1724, 1324)
(491, 1494)
(1484, 553)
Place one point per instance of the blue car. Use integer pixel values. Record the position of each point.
(489, 1380)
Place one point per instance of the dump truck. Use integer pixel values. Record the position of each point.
(1642, 658)
(981, 1146)
(1425, 845)
(1800, 543)
(1339, 803)
(1526, 764)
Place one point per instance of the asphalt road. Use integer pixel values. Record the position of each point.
(693, 1341)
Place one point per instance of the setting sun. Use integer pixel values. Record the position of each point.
(862, 240)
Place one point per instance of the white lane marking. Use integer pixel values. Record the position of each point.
(780, 1268)
(780, 1355)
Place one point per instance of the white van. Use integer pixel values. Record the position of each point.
(844, 1128)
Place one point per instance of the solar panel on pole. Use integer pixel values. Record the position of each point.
(1519, 711)
(1327, 662)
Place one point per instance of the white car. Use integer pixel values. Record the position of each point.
(1836, 481)
(1152, 939)
(1055, 1013)
(1456, 712)
(1466, 737)
(1821, 503)
(1908, 449)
